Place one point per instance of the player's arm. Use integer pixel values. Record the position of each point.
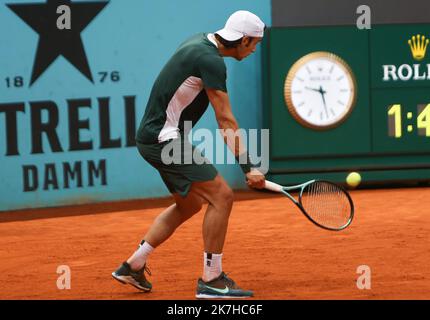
(227, 122)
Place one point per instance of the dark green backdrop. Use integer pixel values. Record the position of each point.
(362, 142)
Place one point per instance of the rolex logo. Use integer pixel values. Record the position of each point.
(418, 45)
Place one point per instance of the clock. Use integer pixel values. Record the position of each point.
(320, 90)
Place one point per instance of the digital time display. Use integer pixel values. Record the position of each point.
(398, 121)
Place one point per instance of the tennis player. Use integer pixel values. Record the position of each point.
(194, 76)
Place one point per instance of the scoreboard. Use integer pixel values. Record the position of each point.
(339, 99)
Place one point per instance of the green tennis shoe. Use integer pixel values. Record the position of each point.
(221, 287)
(125, 275)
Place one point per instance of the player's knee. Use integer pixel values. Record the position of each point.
(225, 196)
(191, 207)
(196, 207)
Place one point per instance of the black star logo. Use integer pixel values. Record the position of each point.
(53, 42)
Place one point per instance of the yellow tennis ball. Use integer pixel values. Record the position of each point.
(353, 179)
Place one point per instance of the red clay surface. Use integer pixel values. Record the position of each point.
(271, 248)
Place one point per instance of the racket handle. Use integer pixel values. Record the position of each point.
(273, 186)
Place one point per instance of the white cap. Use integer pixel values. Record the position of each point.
(242, 23)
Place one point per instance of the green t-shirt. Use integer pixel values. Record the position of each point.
(178, 93)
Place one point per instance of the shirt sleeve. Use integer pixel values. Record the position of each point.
(213, 72)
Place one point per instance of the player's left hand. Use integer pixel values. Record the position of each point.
(255, 179)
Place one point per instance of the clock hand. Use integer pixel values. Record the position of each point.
(323, 92)
(317, 90)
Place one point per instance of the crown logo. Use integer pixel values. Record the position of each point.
(418, 45)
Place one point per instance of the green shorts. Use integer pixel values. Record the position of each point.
(179, 169)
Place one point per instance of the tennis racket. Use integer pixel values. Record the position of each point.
(324, 203)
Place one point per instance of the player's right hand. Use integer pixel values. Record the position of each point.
(255, 179)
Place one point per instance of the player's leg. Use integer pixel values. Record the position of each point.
(214, 282)
(133, 270)
(220, 201)
(165, 224)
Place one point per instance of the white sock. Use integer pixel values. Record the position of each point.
(139, 257)
(212, 266)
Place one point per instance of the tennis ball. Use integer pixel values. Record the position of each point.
(353, 179)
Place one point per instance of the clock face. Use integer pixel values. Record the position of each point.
(320, 90)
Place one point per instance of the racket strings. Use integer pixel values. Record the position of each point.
(326, 204)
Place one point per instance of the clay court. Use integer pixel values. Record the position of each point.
(271, 248)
